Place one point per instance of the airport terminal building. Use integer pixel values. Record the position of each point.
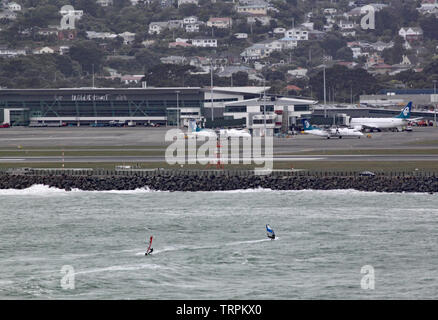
(100, 106)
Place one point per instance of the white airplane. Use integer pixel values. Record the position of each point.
(195, 132)
(396, 122)
(234, 133)
(332, 132)
(345, 132)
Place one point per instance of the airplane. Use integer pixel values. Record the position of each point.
(378, 124)
(332, 132)
(195, 132)
(234, 133)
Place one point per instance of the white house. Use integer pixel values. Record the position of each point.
(128, 37)
(330, 11)
(181, 2)
(105, 3)
(279, 30)
(13, 6)
(346, 24)
(192, 27)
(297, 33)
(205, 43)
(411, 33)
(43, 50)
(158, 27)
(264, 20)
(288, 43)
(190, 20)
(223, 23)
(241, 35)
(298, 73)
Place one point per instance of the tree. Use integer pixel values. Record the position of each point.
(88, 54)
(240, 78)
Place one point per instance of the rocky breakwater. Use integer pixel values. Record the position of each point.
(222, 182)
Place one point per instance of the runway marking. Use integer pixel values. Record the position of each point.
(10, 159)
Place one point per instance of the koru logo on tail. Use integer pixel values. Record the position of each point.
(406, 111)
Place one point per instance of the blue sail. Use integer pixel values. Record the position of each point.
(270, 232)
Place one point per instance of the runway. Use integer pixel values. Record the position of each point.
(140, 159)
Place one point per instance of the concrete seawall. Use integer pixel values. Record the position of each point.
(215, 181)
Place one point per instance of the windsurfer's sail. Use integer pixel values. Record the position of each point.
(270, 232)
(149, 250)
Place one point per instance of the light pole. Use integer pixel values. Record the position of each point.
(325, 100)
(264, 105)
(177, 108)
(435, 100)
(211, 89)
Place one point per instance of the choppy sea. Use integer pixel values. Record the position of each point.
(340, 244)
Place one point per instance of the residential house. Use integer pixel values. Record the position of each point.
(47, 31)
(181, 2)
(298, 73)
(279, 30)
(241, 35)
(8, 15)
(174, 60)
(100, 35)
(105, 3)
(380, 45)
(261, 50)
(288, 43)
(330, 11)
(411, 33)
(298, 33)
(192, 27)
(128, 37)
(13, 6)
(316, 35)
(346, 25)
(190, 20)
(131, 79)
(264, 20)
(258, 9)
(222, 23)
(175, 24)
(43, 50)
(8, 53)
(381, 68)
(204, 43)
(374, 59)
(158, 27)
(179, 44)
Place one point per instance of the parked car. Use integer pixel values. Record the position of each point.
(5, 125)
(409, 128)
(367, 174)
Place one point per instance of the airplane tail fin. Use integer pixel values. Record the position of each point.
(192, 126)
(406, 112)
(306, 125)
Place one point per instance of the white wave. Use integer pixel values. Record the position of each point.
(36, 189)
(44, 190)
(120, 268)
